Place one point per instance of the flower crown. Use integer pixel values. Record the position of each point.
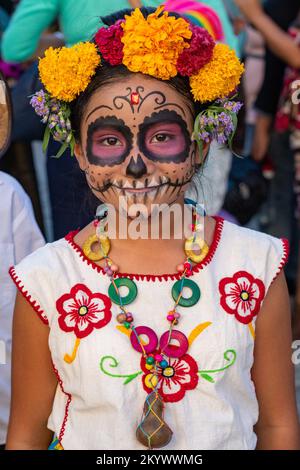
(159, 45)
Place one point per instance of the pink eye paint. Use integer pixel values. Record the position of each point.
(109, 141)
(165, 139)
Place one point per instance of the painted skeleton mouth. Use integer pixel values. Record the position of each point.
(137, 187)
(140, 190)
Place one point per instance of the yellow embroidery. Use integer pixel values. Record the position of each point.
(252, 331)
(70, 358)
(196, 331)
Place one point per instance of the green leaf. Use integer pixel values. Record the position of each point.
(62, 149)
(207, 377)
(46, 139)
(131, 377)
(72, 145)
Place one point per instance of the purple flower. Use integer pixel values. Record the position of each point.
(39, 103)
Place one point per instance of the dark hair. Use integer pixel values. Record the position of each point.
(106, 73)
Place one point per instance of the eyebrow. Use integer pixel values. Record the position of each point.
(96, 109)
(164, 115)
(170, 104)
(112, 122)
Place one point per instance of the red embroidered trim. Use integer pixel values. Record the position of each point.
(69, 399)
(27, 296)
(284, 258)
(153, 277)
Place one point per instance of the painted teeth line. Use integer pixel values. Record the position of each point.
(137, 184)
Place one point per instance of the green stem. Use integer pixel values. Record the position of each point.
(227, 358)
(115, 363)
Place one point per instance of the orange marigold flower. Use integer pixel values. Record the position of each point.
(152, 45)
(67, 71)
(219, 77)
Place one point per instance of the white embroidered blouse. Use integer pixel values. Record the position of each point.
(210, 400)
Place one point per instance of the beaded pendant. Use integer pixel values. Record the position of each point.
(153, 431)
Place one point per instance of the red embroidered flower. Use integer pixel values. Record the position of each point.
(200, 52)
(174, 380)
(242, 295)
(81, 311)
(109, 43)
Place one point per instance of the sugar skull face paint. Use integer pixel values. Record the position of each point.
(142, 151)
(109, 141)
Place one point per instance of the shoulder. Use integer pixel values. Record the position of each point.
(13, 197)
(38, 274)
(15, 206)
(10, 184)
(255, 252)
(246, 239)
(46, 258)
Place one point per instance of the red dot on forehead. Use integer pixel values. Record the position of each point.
(134, 98)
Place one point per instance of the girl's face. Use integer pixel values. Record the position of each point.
(136, 142)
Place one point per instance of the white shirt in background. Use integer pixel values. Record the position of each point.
(19, 236)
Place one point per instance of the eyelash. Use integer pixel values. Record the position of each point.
(166, 134)
(101, 141)
(170, 136)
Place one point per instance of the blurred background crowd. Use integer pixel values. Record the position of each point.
(261, 190)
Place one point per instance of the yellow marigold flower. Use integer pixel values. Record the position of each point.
(67, 71)
(152, 45)
(219, 77)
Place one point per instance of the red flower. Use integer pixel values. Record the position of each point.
(81, 311)
(109, 43)
(179, 376)
(242, 295)
(200, 52)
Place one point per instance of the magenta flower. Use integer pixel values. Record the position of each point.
(109, 43)
(200, 52)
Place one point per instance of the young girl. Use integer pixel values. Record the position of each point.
(149, 342)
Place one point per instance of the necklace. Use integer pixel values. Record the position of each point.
(152, 431)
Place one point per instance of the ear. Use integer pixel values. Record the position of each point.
(79, 154)
(201, 156)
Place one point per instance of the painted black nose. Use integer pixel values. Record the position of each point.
(136, 169)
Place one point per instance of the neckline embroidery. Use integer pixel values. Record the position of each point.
(153, 277)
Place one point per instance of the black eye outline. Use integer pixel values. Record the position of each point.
(114, 123)
(102, 139)
(167, 117)
(166, 133)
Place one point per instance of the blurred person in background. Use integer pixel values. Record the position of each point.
(275, 98)
(19, 236)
